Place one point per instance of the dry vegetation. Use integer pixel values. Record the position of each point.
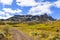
(45, 31)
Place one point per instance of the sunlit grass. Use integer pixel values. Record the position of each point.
(36, 31)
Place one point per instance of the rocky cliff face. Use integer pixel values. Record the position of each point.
(28, 18)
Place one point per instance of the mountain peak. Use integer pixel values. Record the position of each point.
(28, 18)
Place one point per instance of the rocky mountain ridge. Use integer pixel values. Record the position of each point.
(29, 18)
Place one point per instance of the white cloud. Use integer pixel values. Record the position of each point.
(6, 2)
(8, 12)
(4, 15)
(38, 8)
(41, 8)
(57, 3)
(26, 2)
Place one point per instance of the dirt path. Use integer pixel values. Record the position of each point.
(18, 35)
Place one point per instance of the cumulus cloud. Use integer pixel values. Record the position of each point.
(38, 8)
(6, 2)
(57, 3)
(8, 12)
(41, 8)
(26, 2)
(4, 15)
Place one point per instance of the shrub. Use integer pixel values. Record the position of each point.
(44, 35)
(57, 30)
(12, 23)
(31, 23)
(2, 23)
(35, 34)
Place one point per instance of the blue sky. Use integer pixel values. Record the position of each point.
(9, 8)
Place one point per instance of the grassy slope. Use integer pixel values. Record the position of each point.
(45, 31)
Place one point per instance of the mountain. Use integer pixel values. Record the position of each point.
(31, 18)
